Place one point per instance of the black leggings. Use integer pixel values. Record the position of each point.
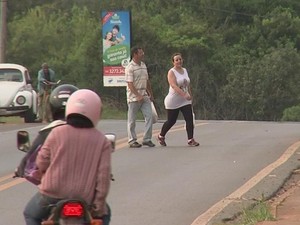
(172, 114)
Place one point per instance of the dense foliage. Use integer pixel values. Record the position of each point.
(242, 55)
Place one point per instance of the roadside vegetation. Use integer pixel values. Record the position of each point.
(242, 56)
(260, 212)
(110, 110)
(251, 216)
(13, 119)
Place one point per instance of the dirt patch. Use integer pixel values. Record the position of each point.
(285, 191)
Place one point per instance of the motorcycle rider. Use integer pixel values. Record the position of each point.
(75, 160)
(58, 100)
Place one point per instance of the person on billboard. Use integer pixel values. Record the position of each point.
(139, 98)
(115, 32)
(107, 41)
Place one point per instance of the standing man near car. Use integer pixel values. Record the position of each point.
(139, 97)
(46, 78)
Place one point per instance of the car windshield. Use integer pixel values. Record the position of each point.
(11, 75)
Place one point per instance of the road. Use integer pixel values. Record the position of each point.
(236, 163)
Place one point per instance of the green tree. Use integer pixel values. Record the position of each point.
(69, 42)
(242, 56)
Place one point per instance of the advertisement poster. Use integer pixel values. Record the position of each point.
(116, 46)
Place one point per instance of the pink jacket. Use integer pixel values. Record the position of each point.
(76, 162)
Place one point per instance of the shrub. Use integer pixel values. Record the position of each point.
(291, 114)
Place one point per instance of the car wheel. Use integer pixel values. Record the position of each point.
(29, 116)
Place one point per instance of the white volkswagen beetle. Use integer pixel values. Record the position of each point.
(17, 97)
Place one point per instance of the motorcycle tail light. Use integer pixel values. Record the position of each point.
(72, 209)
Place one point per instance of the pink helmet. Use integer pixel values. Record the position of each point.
(85, 102)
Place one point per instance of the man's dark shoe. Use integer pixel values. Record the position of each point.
(149, 143)
(38, 120)
(135, 145)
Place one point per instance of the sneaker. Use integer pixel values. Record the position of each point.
(148, 143)
(161, 140)
(135, 145)
(193, 143)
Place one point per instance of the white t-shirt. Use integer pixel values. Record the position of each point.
(173, 100)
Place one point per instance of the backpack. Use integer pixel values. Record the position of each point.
(27, 168)
(31, 172)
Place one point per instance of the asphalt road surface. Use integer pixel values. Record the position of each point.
(236, 164)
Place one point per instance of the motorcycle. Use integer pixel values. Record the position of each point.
(66, 211)
(71, 212)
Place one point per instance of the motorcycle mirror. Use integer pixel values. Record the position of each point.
(112, 138)
(23, 142)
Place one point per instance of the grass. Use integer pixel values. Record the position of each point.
(114, 113)
(108, 112)
(261, 212)
(12, 119)
(111, 112)
(251, 216)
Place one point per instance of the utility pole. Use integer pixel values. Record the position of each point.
(3, 28)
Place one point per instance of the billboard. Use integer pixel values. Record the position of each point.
(116, 35)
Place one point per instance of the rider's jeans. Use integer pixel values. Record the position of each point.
(37, 209)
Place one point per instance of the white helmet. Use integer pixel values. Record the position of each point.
(86, 103)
